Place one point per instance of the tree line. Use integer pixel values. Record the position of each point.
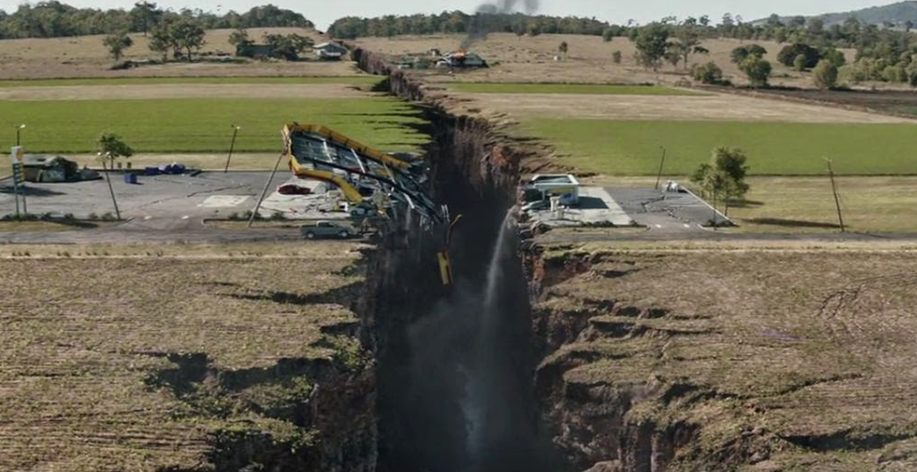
(51, 19)
(457, 22)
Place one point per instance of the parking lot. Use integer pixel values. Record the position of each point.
(656, 210)
(172, 202)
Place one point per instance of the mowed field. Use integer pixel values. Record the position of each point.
(635, 147)
(194, 115)
(148, 358)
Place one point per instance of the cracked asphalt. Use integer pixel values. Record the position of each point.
(167, 207)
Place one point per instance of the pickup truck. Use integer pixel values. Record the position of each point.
(328, 229)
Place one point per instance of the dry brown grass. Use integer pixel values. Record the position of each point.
(85, 56)
(710, 107)
(87, 329)
(805, 356)
(528, 59)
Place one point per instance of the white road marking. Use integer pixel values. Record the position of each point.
(185, 217)
(147, 217)
(658, 226)
(223, 201)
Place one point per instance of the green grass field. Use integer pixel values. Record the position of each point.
(348, 80)
(577, 89)
(633, 147)
(203, 125)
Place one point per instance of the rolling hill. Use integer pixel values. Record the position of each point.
(897, 13)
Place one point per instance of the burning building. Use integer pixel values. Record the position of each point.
(462, 59)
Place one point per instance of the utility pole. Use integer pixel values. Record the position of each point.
(19, 134)
(267, 185)
(837, 198)
(110, 188)
(17, 175)
(232, 145)
(661, 166)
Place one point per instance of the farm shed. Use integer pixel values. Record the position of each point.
(330, 51)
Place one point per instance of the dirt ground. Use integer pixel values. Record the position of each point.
(712, 107)
(178, 91)
(786, 360)
(885, 101)
(528, 59)
(95, 339)
(85, 56)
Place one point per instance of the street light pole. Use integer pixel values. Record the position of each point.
(19, 134)
(661, 168)
(232, 145)
(111, 189)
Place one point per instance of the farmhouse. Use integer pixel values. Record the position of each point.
(330, 51)
(462, 59)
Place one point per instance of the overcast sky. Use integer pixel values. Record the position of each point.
(616, 11)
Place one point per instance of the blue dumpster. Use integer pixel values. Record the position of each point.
(130, 178)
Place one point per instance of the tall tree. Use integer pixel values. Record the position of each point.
(652, 42)
(117, 43)
(188, 36)
(161, 39)
(687, 42)
(144, 15)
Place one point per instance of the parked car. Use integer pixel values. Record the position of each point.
(328, 229)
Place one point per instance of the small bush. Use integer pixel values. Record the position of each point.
(708, 73)
(69, 217)
(278, 216)
(616, 57)
(93, 217)
(109, 217)
(739, 54)
(895, 74)
(825, 75)
(800, 63)
(758, 71)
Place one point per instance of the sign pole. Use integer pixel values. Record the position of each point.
(16, 156)
(232, 145)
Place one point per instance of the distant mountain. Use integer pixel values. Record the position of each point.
(896, 13)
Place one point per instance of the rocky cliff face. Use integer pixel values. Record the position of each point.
(720, 361)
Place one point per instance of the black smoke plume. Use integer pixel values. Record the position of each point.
(482, 22)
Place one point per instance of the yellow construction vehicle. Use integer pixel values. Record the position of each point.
(368, 179)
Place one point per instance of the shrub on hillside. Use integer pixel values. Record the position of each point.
(787, 55)
(739, 54)
(708, 73)
(758, 71)
(825, 75)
